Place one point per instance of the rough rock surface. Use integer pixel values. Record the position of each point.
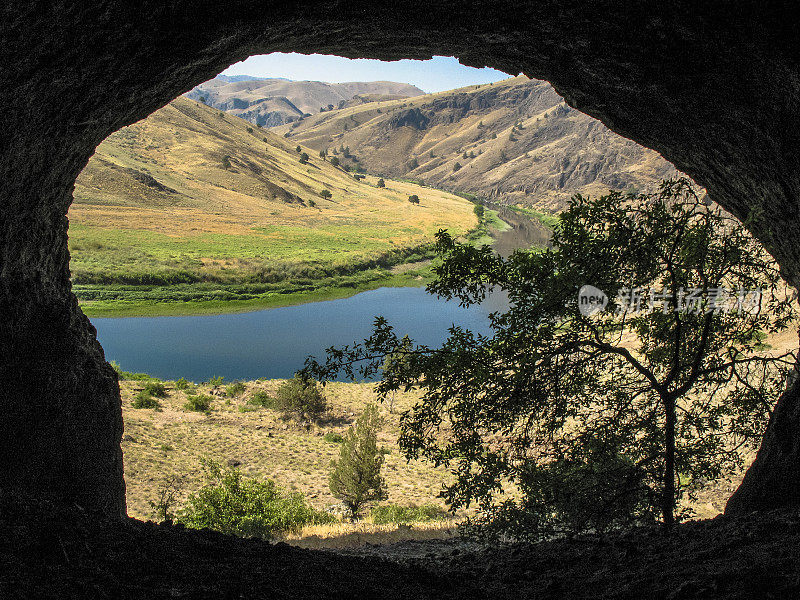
(713, 87)
(47, 551)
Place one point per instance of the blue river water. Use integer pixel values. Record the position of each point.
(274, 343)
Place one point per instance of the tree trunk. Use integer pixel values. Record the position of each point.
(668, 493)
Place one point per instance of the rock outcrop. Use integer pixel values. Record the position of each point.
(715, 88)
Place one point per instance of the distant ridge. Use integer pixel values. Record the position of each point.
(273, 101)
(515, 141)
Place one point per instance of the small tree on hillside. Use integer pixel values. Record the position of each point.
(326, 193)
(302, 398)
(414, 199)
(381, 183)
(335, 161)
(479, 211)
(355, 477)
(304, 158)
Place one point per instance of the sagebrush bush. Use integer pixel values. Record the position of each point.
(156, 388)
(236, 505)
(333, 438)
(301, 398)
(184, 384)
(262, 399)
(198, 403)
(144, 400)
(216, 381)
(235, 389)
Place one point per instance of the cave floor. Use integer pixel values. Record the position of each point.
(48, 552)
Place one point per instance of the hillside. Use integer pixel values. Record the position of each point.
(514, 141)
(192, 196)
(272, 102)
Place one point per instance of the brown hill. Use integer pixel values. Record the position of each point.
(272, 102)
(514, 141)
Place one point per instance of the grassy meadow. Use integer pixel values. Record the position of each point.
(192, 210)
(170, 440)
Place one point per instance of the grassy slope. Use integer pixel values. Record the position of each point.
(193, 195)
(158, 444)
(558, 152)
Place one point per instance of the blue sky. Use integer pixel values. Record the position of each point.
(435, 75)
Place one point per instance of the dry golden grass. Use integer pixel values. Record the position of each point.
(353, 535)
(161, 443)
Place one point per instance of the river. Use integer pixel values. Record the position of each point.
(274, 343)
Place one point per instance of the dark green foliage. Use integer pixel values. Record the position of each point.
(249, 130)
(262, 399)
(299, 149)
(394, 513)
(155, 388)
(198, 403)
(304, 158)
(301, 398)
(203, 99)
(335, 160)
(456, 166)
(355, 477)
(599, 420)
(236, 388)
(333, 438)
(226, 162)
(236, 505)
(215, 381)
(381, 183)
(414, 199)
(413, 164)
(465, 155)
(144, 400)
(184, 384)
(312, 203)
(479, 211)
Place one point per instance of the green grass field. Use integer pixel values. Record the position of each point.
(191, 211)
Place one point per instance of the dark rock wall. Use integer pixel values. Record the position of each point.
(714, 88)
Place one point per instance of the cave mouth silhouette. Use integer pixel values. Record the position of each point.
(714, 89)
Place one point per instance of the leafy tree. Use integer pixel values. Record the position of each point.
(301, 397)
(414, 199)
(299, 149)
(479, 211)
(335, 161)
(381, 183)
(304, 158)
(355, 477)
(326, 193)
(599, 418)
(236, 505)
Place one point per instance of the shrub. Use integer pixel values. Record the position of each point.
(333, 438)
(236, 505)
(183, 384)
(456, 166)
(216, 381)
(302, 398)
(394, 513)
(155, 388)
(145, 400)
(304, 158)
(326, 194)
(414, 199)
(237, 388)
(335, 161)
(263, 399)
(198, 403)
(381, 183)
(355, 477)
